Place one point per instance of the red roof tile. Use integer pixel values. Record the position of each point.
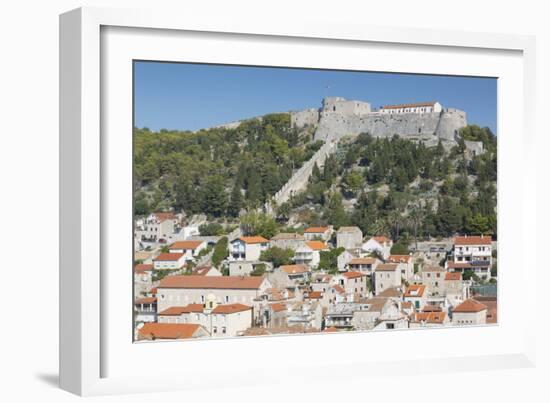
(231, 308)
(473, 240)
(316, 230)
(214, 282)
(317, 245)
(470, 305)
(168, 257)
(186, 245)
(168, 331)
(253, 239)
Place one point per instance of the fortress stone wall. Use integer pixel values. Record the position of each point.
(307, 117)
(339, 117)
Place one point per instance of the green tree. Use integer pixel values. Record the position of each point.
(254, 223)
(211, 229)
(335, 213)
(277, 256)
(236, 202)
(329, 260)
(221, 251)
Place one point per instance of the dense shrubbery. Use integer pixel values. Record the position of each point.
(216, 171)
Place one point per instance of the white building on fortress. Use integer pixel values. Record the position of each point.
(421, 107)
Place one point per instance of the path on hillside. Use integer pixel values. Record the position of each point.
(299, 180)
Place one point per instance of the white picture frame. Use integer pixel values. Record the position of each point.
(89, 316)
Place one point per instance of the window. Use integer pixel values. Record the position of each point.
(224, 330)
(214, 330)
(202, 298)
(227, 298)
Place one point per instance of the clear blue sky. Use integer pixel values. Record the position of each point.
(193, 96)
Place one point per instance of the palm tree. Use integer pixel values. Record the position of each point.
(416, 215)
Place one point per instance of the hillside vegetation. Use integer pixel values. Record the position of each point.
(216, 171)
(383, 185)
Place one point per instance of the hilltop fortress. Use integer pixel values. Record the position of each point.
(338, 117)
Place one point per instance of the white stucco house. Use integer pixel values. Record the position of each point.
(380, 244)
(310, 253)
(169, 261)
(247, 248)
(190, 249)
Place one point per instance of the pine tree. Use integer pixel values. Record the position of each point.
(236, 202)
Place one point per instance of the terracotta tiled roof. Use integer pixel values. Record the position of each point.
(168, 330)
(470, 305)
(145, 300)
(278, 307)
(399, 258)
(165, 216)
(339, 288)
(140, 268)
(390, 293)
(214, 282)
(453, 276)
(362, 260)
(315, 295)
(387, 267)
(431, 308)
(406, 305)
(415, 290)
(201, 270)
(189, 245)
(317, 245)
(253, 239)
(294, 268)
(178, 310)
(331, 329)
(168, 257)
(316, 230)
(353, 274)
(230, 308)
(473, 240)
(428, 317)
(414, 105)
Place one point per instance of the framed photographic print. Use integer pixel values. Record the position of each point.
(243, 194)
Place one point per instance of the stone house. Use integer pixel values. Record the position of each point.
(185, 290)
(299, 273)
(386, 275)
(349, 237)
(353, 282)
(224, 320)
(470, 312)
(143, 278)
(406, 262)
(365, 265)
(417, 295)
(155, 227)
(428, 319)
(392, 317)
(288, 240)
(366, 319)
(318, 233)
(434, 279)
